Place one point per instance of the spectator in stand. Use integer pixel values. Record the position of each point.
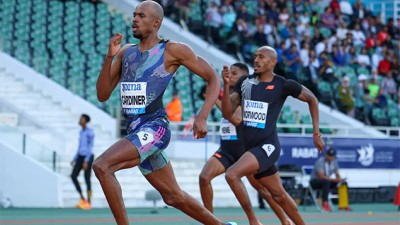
(338, 55)
(311, 73)
(372, 25)
(227, 6)
(292, 40)
(304, 18)
(317, 37)
(373, 87)
(381, 100)
(298, 6)
(314, 60)
(384, 65)
(271, 32)
(304, 53)
(388, 43)
(345, 97)
(284, 16)
(389, 86)
(341, 32)
(292, 60)
(398, 99)
(328, 19)
(244, 14)
(358, 36)
(261, 9)
(345, 46)
(314, 18)
(281, 4)
(335, 6)
(322, 4)
(253, 27)
(326, 70)
(273, 13)
(363, 58)
(349, 38)
(321, 46)
(214, 19)
(346, 8)
(371, 41)
(392, 29)
(351, 57)
(359, 11)
(260, 38)
(333, 39)
(383, 35)
(183, 7)
(377, 56)
(361, 86)
(396, 67)
(229, 18)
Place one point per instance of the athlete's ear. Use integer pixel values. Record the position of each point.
(157, 23)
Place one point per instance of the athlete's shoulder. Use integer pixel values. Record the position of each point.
(179, 51)
(251, 76)
(176, 46)
(280, 78)
(245, 77)
(125, 48)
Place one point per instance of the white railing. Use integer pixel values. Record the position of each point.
(372, 5)
(336, 130)
(27, 146)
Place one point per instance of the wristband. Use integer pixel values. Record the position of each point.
(317, 135)
(221, 93)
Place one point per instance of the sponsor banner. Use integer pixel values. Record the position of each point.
(350, 152)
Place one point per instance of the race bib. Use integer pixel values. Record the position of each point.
(227, 130)
(133, 97)
(255, 114)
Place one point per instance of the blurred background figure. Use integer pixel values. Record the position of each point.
(324, 168)
(83, 160)
(174, 108)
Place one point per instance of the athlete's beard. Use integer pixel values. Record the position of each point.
(138, 36)
(257, 74)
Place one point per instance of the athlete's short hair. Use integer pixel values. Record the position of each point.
(242, 66)
(87, 117)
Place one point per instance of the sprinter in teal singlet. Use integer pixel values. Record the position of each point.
(144, 71)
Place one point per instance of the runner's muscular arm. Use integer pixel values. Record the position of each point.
(109, 75)
(307, 96)
(230, 104)
(184, 55)
(236, 118)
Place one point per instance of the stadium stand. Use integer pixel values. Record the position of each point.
(347, 41)
(67, 40)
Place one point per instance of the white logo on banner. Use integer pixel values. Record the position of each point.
(304, 153)
(269, 149)
(366, 155)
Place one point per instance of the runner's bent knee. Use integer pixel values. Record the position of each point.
(173, 198)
